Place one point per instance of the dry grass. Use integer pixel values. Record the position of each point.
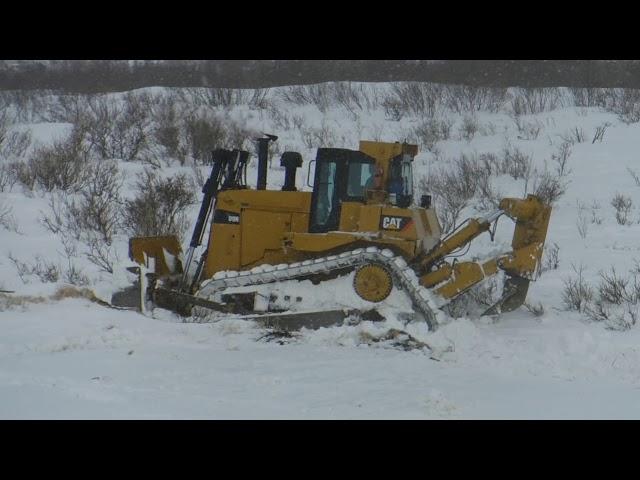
(12, 301)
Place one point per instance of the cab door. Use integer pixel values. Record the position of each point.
(340, 175)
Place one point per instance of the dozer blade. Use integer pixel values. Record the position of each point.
(165, 252)
(160, 255)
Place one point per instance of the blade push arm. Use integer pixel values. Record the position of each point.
(532, 219)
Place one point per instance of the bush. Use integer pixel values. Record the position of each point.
(550, 259)
(47, 272)
(429, 132)
(166, 131)
(468, 128)
(622, 205)
(225, 98)
(561, 157)
(469, 99)
(453, 188)
(93, 217)
(413, 98)
(61, 166)
(617, 302)
(589, 97)
(12, 144)
(577, 294)
(625, 102)
(527, 130)
(159, 205)
(7, 219)
(118, 129)
(531, 101)
(200, 134)
(548, 187)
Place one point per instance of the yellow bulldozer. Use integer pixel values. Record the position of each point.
(347, 248)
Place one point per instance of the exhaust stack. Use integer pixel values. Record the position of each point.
(263, 158)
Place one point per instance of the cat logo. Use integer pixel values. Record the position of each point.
(394, 223)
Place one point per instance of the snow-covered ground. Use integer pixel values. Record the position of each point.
(73, 358)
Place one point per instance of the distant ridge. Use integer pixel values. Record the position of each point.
(94, 76)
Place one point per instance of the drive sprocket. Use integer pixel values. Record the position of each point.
(373, 282)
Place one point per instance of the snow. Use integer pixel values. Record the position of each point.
(74, 358)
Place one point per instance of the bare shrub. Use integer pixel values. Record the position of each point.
(225, 98)
(634, 175)
(468, 128)
(625, 102)
(68, 108)
(598, 136)
(166, 131)
(47, 272)
(26, 105)
(159, 205)
(589, 97)
(613, 287)
(7, 219)
(595, 217)
(118, 129)
(13, 144)
(453, 189)
(413, 98)
(488, 129)
(582, 222)
(617, 302)
(93, 217)
(319, 95)
(622, 205)
(561, 158)
(536, 309)
(577, 294)
(527, 130)
(355, 97)
(512, 162)
(575, 135)
(202, 133)
(468, 99)
(61, 166)
(74, 275)
(431, 131)
(548, 188)
(515, 163)
(323, 136)
(7, 177)
(550, 259)
(531, 101)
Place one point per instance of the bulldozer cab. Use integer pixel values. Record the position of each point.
(343, 175)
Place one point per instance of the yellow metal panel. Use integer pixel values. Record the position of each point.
(465, 275)
(299, 222)
(272, 200)
(224, 249)
(383, 152)
(320, 242)
(262, 230)
(153, 247)
(349, 216)
(369, 218)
